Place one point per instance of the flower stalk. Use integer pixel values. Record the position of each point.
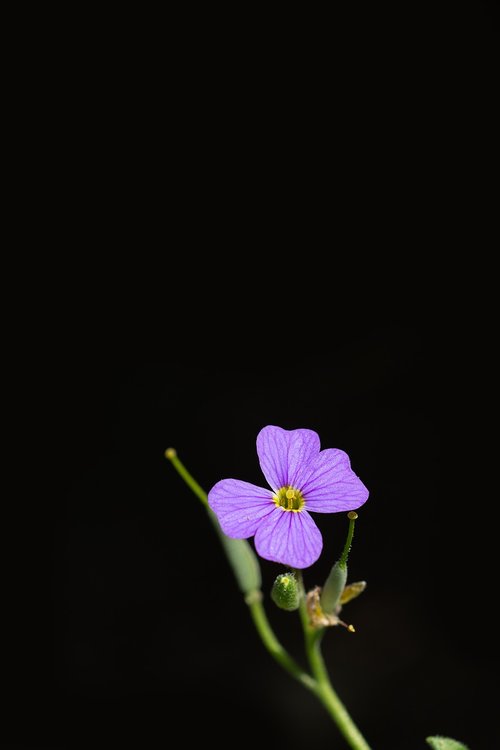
(324, 689)
(336, 581)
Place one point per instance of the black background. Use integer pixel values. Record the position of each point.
(127, 626)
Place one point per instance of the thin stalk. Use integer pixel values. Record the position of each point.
(324, 689)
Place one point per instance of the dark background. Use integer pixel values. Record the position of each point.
(127, 626)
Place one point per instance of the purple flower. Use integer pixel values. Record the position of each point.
(303, 478)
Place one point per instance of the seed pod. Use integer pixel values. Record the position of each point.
(333, 588)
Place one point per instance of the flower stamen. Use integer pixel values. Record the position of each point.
(289, 498)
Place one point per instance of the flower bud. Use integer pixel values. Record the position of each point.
(285, 592)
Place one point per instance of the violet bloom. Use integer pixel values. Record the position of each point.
(303, 478)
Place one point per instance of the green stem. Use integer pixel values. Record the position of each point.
(348, 542)
(273, 645)
(200, 493)
(324, 689)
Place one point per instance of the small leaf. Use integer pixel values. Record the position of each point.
(444, 743)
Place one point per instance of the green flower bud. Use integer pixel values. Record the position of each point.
(285, 592)
(333, 588)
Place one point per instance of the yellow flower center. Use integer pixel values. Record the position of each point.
(289, 498)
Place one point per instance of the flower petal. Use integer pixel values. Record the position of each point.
(240, 506)
(285, 455)
(332, 486)
(289, 538)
